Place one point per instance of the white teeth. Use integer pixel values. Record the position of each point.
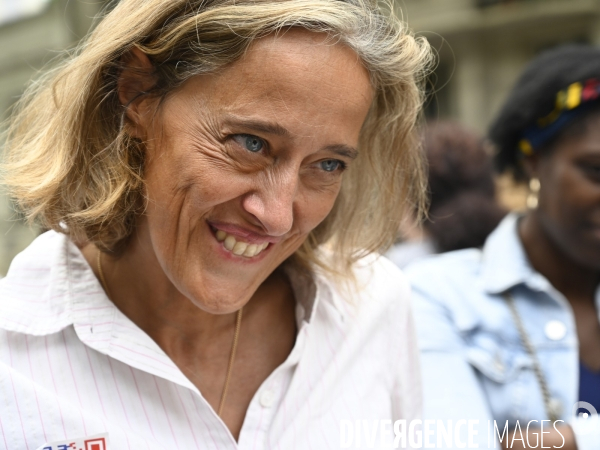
(239, 248)
(251, 250)
(229, 242)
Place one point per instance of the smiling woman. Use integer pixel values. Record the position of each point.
(217, 177)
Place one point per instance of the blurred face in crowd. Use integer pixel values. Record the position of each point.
(243, 164)
(569, 198)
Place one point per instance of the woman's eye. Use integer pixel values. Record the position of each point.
(251, 143)
(331, 165)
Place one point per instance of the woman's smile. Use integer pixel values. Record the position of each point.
(247, 245)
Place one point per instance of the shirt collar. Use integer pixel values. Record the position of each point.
(50, 286)
(304, 289)
(36, 293)
(312, 287)
(504, 261)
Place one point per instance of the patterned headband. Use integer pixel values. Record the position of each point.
(569, 104)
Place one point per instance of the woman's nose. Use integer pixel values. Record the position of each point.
(272, 204)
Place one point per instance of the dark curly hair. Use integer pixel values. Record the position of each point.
(534, 96)
(463, 208)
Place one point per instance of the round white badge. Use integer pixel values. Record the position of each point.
(555, 330)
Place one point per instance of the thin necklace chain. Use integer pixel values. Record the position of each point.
(551, 404)
(234, 345)
(236, 335)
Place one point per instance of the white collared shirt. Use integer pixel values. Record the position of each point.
(72, 365)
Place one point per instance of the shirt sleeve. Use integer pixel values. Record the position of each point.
(453, 397)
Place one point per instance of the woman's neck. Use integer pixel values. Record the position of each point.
(569, 277)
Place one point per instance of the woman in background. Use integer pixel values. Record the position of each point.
(511, 332)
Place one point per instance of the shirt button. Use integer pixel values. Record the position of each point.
(267, 398)
(555, 330)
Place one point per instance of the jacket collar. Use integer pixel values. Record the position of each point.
(505, 263)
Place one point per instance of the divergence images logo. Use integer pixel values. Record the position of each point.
(585, 411)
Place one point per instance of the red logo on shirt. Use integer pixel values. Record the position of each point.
(95, 444)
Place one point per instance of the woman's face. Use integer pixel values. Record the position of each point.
(569, 201)
(244, 163)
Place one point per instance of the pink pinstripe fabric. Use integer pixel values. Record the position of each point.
(72, 365)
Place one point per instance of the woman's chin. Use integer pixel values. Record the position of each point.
(222, 288)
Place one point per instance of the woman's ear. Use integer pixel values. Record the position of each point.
(136, 79)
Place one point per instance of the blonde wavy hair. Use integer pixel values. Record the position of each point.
(72, 167)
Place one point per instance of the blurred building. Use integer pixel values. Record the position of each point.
(482, 45)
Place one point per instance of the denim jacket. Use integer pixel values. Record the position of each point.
(474, 364)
